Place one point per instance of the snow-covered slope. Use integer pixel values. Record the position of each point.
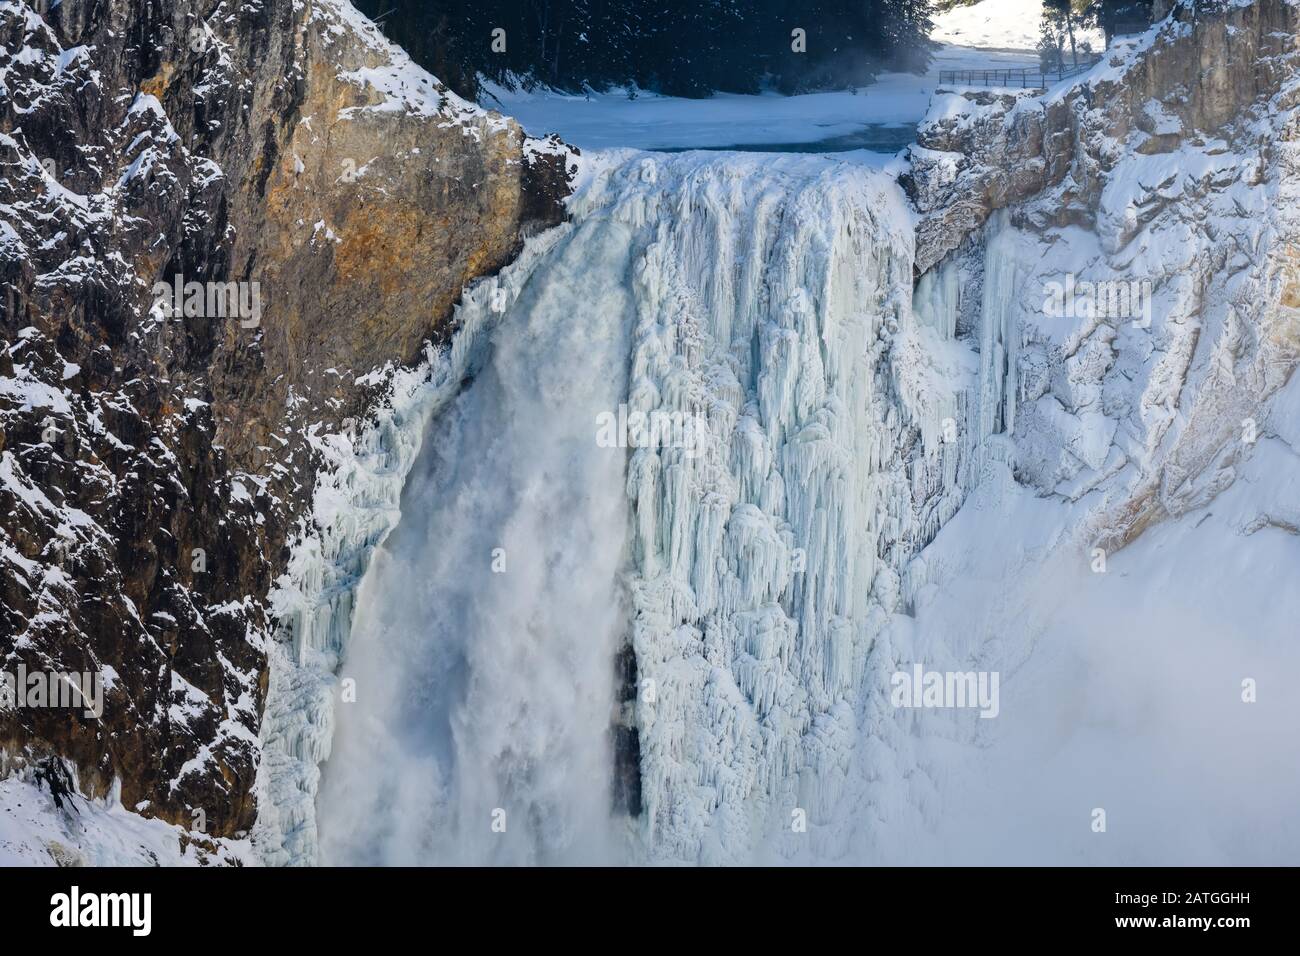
(1115, 574)
(38, 829)
(1001, 25)
(1121, 691)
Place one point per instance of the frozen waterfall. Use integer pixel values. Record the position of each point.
(762, 306)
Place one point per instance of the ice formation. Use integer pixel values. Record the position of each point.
(774, 303)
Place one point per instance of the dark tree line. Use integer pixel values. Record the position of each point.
(677, 47)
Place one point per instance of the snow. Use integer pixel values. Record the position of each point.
(34, 831)
(1121, 691)
(609, 120)
(1001, 25)
(393, 79)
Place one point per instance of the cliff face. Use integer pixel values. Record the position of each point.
(1127, 248)
(154, 461)
(1212, 69)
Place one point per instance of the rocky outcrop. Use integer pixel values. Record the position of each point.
(154, 459)
(1126, 248)
(1212, 69)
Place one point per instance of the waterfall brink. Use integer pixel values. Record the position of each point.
(750, 550)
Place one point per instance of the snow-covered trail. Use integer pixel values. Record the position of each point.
(486, 629)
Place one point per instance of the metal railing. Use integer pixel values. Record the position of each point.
(1024, 78)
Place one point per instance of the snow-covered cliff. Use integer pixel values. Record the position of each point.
(155, 463)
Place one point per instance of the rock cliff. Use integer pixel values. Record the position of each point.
(1125, 249)
(156, 459)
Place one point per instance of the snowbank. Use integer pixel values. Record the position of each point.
(1001, 25)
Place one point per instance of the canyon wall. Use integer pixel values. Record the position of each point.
(155, 465)
(1170, 170)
